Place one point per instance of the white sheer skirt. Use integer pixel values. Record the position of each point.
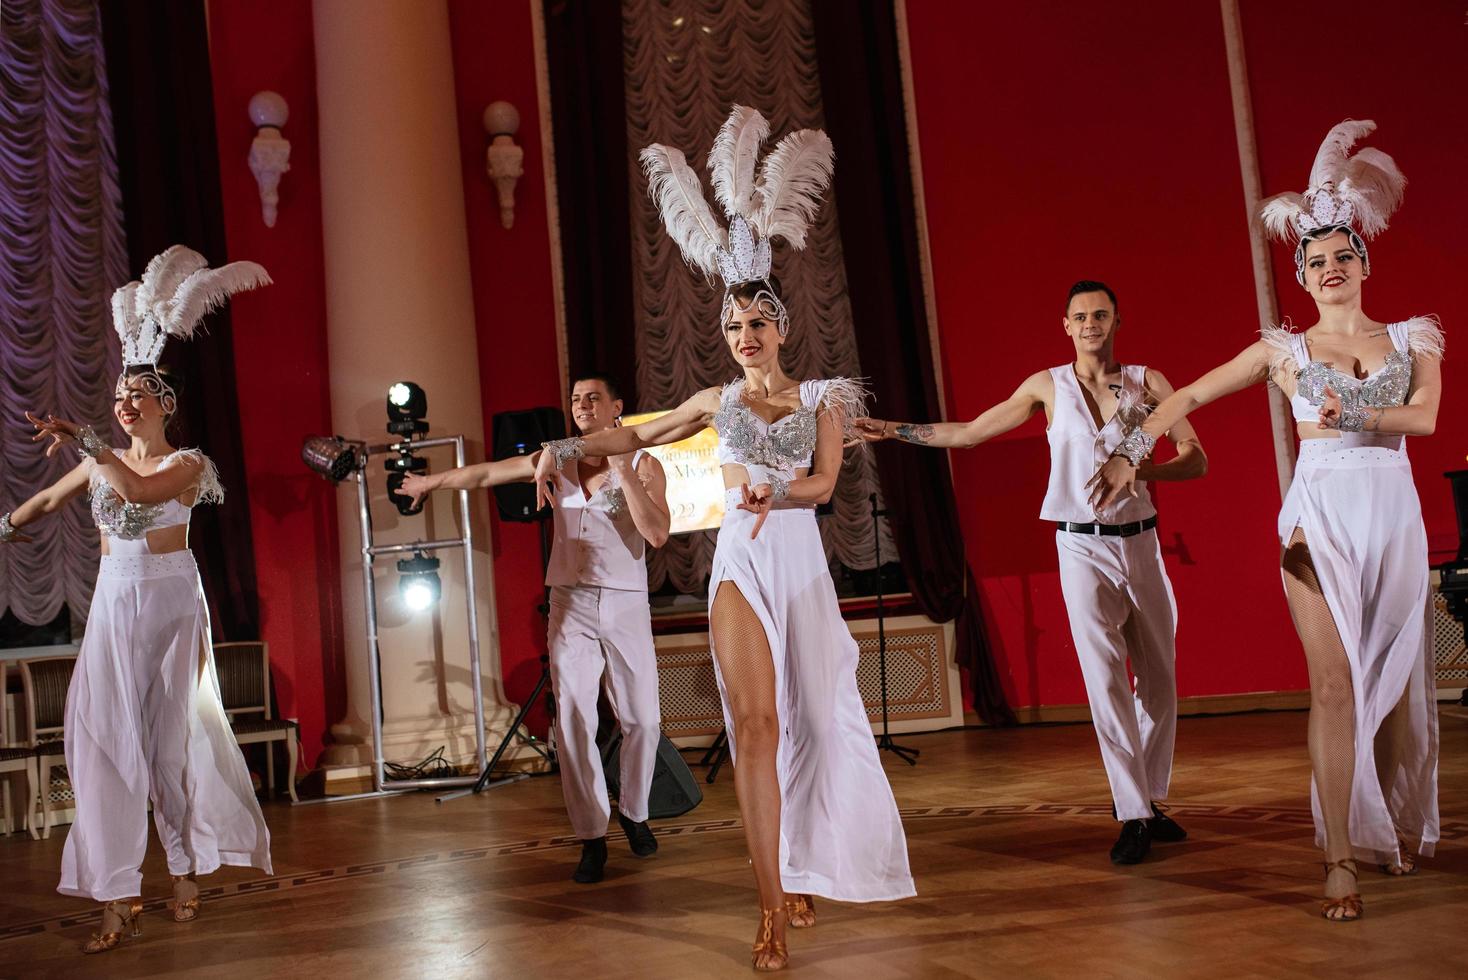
(1358, 509)
(840, 833)
(144, 721)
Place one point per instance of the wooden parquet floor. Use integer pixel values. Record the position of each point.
(1008, 834)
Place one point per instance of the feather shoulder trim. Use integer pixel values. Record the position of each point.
(210, 490)
(1425, 336)
(1282, 348)
(846, 396)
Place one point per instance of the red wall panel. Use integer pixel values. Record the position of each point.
(494, 59)
(280, 354)
(1098, 145)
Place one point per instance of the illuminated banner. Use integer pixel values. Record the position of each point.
(695, 483)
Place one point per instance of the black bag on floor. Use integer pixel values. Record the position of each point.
(674, 790)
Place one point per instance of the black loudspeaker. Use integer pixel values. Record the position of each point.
(674, 790)
(520, 434)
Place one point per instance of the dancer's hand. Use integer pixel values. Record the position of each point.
(872, 430)
(59, 431)
(545, 471)
(1330, 410)
(1116, 478)
(757, 500)
(418, 485)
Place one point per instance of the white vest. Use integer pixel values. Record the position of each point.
(596, 541)
(1078, 449)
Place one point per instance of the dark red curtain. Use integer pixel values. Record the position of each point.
(584, 59)
(861, 87)
(163, 117)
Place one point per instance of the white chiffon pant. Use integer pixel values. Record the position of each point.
(840, 833)
(144, 721)
(1358, 509)
(1121, 608)
(603, 636)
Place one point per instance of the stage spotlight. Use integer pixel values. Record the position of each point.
(330, 456)
(400, 500)
(419, 585)
(407, 404)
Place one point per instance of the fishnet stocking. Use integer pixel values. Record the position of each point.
(1332, 706)
(748, 669)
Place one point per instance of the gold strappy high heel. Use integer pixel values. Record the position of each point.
(185, 907)
(1407, 864)
(800, 911)
(123, 915)
(1347, 908)
(769, 954)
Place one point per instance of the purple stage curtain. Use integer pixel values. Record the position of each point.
(865, 116)
(168, 162)
(61, 254)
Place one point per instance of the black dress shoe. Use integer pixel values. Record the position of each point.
(639, 837)
(1133, 844)
(1165, 830)
(593, 861)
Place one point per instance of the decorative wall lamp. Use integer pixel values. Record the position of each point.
(504, 160)
(270, 153)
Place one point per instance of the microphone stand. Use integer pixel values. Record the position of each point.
(884, 741)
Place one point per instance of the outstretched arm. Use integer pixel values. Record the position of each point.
(516, 469)
(689, 418)
(1117, 476)
(1009, 414)
(131, 486)
(1190, 461)
(49, 500)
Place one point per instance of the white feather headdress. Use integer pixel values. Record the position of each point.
(177, 289)
(1358, 191)
(776, 200)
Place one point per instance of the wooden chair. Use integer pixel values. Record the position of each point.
(15, 758)
(244, 686)
(44, 681)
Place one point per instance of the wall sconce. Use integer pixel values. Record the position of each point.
(270, 153)
(504, 160)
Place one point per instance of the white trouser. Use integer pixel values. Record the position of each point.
(595, 635)
(1120, 605)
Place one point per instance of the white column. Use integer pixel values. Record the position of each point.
(400, 307)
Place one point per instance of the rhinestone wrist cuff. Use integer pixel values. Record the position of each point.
(89, 443)
(1353, 419)
(779, 487)
(1136, 447)
(562, 450)
(7, 530)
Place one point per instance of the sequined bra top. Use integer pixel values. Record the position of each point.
(1386, 387)
(117, 518)
(786, 444)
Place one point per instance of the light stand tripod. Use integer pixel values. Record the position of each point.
(487, 778)
(884, 741)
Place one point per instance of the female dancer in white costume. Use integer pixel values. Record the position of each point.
(1355, 551)
(819, 816)
(143, 715)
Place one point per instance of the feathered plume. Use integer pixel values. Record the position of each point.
(678, 192)
(1360, 190)
(163, 276)
(1279, 214)
(732, 159)
(207, 289)
(791, 183)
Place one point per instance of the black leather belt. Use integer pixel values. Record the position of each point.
(1109, 530)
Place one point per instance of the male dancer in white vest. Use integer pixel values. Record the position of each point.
(608, 510)
(1116, 590)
